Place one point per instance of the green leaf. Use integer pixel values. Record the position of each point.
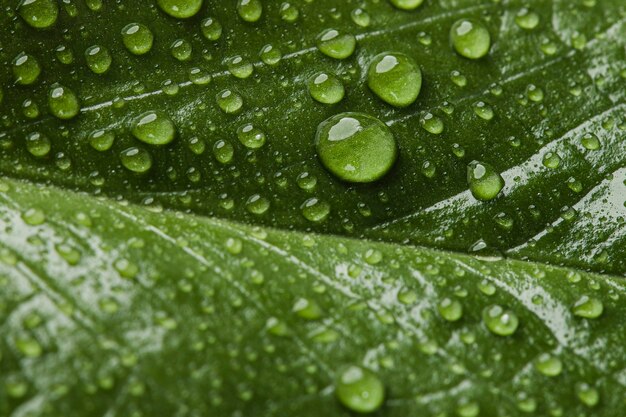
(109, 308)
(555, 73)
(494, 127)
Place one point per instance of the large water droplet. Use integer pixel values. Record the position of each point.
(39, 14)
(484, 181)
(356, 147)
(154, 128)
(180, 9)
(359, 389)
(395, 78)
(470, 38)
(336, 44)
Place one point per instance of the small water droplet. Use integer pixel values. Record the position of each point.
(154, 128)
(136, 159)
(250, 10)
(137, 38)
(484, 181)
(62, 102)
(499, 321)
(588, 307)
(395, 78)
(251, 137)
(336, 44)
(180, 9)
(470, 38)
(406, 4)
(26, 69)
(359, 389)
(229, 101)
(326, 88)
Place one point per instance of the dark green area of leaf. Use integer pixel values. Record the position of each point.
(572, 214)
(109, 309)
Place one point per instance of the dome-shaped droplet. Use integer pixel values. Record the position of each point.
(484, 181)
(250, 10)
(431, 123)
(500, 321)
(470, 38)
(315, 210)
(62, 102)
(136, 160)
(356, 147)
(257, 204)
(270, 55)
(39, 14)
(336, 44)
(181, 49)
(240, 67)
(251, 137)
(101, 140)
(587, 394)
(483, 110)
(588, 307)
(527, 19)
(211, 29)
(38, 144)
(229, 101)
(180, 9)
(137, 38)
(407, 4)
(98, 59)
(223, 151)
(307, 309)
(360, 17)
(154, 128)
(551, 160)
(549, 365)
(591, 142)
(359, 389)
(326, 88)
(395, 78)
(26, 69)
(450, 310)
(289, 12)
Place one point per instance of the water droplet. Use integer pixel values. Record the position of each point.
(154, 128)
(29, 347)
(137, 38)
(64, 55)
(499, 321)
(395, 78)
(336, 44)
(470, 38)
(326, 88)
(483, 110)
(527, 19)
(98, 59)
(34, 217)
(587, 307)
(40, 14)
(484, 181)
(270, 55)
(250, 10)
(450, 310)
(289, 12)
(38, 144)
(306, 181)
(229, 101)
(240, 67)
(407, 4)
(257, 205)
(223, 151)
(431, 123)
(359, 389)
(459, 79)
(467, 408)
(234, 246)
(26, 69)
(360, 17)
(587, 394)
(136, 160)
(62, 102)
(551, 160)
(251, 137)
(549, 365)
(101, 140)
(307, 309)
(180, 9)
(356, 147)
(591, 142)
(181, 49)
(211, 29)
(315, 210)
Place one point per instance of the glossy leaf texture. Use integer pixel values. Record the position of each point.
(113, 309)
(551, 86)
